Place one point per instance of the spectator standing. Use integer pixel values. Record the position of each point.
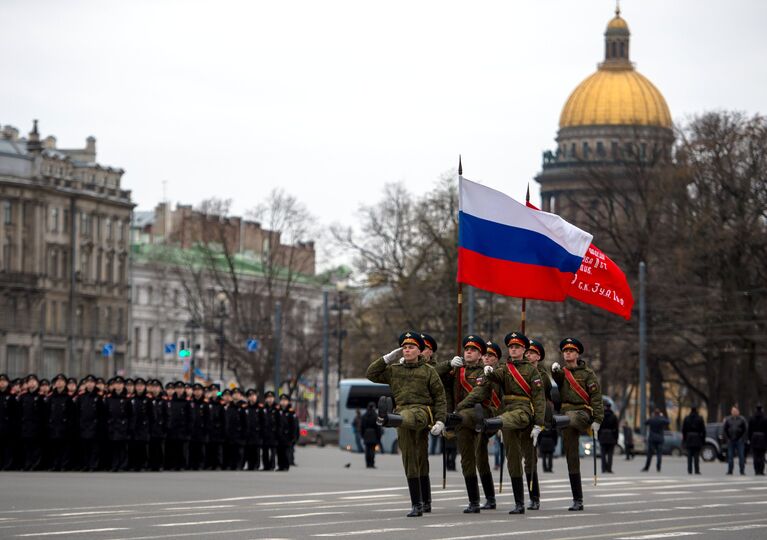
(357, 429)
(693, 438)
(655, 428)
(757, 435)
(608, 438)
(628, 441)
(371, 435)
(735, 430)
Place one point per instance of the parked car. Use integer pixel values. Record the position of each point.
(715, 446)
(310, 433)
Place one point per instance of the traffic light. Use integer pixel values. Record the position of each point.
(183, 350)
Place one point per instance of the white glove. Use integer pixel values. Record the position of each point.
(402, 360)
(595, 427)
(534, 434)
(437, 429)
(555, 366)
(499, 434)
(392, 356)
(457, 361)
(488, 370)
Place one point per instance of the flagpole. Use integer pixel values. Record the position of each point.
(524, 300)
(460, 285)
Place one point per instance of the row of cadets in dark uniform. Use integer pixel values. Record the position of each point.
(131, 424)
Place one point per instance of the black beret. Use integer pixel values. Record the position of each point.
(475, 341)
(89, 378)
(30, 377)
(118, 379)
(518, 338)
(44, 382)
(197, 386)
(71, 380)
(170, 384)
(412, 338)
(59, 376)
(284, 396)
(537, 346)
(251, 392)
(429, 342)
(571, 343)
(214, 386)
(269, 393)
(494, 347)
(4, 377)
(100, 379)
(226, 392)
(129, 381)
(178, 384)
(139, 380)
(237, 390)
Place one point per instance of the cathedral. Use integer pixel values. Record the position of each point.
(615, 115)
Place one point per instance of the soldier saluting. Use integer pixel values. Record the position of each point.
(582, 403)
(523, 406)
(420, 400)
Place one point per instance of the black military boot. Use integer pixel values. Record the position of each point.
(535, 492)
(488, 486)
(414, 485)
(479, 418)
(426, 494)
(492, 425)
(519, 495)
(577, 489)
(385, 416)
(472, 488)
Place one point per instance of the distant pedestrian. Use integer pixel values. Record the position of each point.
(693, 437)
(757, 435)
(628, 441)
(608, 438)
(371, 435)
(655, 428)
(735, 431)
(357, 429)
(547, 444)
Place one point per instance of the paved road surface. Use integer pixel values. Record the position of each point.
(322, 498)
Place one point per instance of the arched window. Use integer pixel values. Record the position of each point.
(614, 50)
(623, 54)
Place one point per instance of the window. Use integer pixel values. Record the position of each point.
(149, 295)
(614, 50)
(7, 250)
(600, 149)
(8, 212)
(615, 150)
(572, 151)
(108, 321)
(85, 224)
(97, 227)
(585, 150)
(149, 344)
(110, 269)
(120, 322)
(99, 267)
(85, 266)
(623, 49)
(53, 223)
(53, 269)
(64, 265)
(108, 226)
(65, 222)
(120, 232)
(643, 151)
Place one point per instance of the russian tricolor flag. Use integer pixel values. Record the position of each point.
(510, 249)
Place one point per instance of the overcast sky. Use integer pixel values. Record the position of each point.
(331, 99)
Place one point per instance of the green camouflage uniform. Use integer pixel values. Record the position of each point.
(530, 452)
(519, 410)
(581, 414)
(419, 398)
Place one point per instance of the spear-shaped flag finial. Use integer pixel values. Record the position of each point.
(460, 166)
(527, 195)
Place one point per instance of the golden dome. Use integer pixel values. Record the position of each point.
(616, 94)
(615, 97)
(617, 23)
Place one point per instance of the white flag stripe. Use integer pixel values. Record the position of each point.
(492, 205)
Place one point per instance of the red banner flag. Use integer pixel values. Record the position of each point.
(600, 282)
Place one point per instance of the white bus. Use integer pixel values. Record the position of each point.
(356, 394)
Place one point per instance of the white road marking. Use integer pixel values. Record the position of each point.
(194, 523)
(97, 512)
(369, 531)
(384, 496)
(81, 531)
(659, 535)
(308, 515)
(611, 495)
(176, 508)
(740, 527)
(280, 503)
(672, 492)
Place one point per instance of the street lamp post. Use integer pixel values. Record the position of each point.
(192, 326)
(222, 315)
(340, 332)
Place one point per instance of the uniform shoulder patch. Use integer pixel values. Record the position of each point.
(537, 382)
(593, 386)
